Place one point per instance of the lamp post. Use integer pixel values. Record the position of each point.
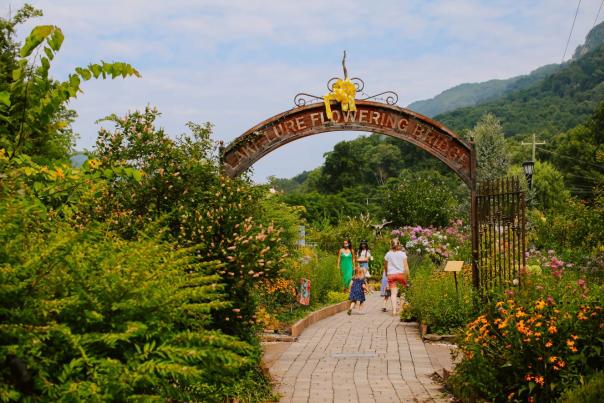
(528, 167)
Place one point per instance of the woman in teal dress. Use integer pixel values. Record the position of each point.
(346, 262)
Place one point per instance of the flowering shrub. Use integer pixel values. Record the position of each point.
(536, 343)
(438, 244)
(434, 300)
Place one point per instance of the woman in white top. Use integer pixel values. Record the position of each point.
(363, 257)
(396, 269)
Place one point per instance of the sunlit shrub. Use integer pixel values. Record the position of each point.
(534, 342)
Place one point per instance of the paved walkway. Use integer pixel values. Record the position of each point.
(358, 358)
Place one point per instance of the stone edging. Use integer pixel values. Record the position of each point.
(313, 317)
(449, 338)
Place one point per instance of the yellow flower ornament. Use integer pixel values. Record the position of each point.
(343, 92)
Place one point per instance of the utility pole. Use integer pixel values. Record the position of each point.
(534, 144)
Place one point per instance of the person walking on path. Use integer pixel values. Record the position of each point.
(363, 257)
(346, 261)
(384, 291)
(357, 290)
(396, 269)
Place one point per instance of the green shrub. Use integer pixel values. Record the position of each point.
(89, 316)
(535, 341)
(589, 392)
(321, 268)
(433, 299)
(335, 297)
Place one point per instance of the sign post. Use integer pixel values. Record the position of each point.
(454, 266)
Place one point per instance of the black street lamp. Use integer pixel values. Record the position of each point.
(528, 167)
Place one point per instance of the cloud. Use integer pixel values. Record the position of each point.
(237, 62)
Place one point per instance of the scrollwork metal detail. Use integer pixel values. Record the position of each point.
(302, 99)
(388, 97)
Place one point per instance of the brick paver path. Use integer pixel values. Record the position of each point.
(358, 358)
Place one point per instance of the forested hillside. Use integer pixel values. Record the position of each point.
(558, 103)
(471, 94)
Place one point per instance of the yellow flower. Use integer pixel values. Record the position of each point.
(553, 359)
(94, 164)
(540, 304)
(59, 173)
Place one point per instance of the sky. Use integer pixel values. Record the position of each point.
(236, 63)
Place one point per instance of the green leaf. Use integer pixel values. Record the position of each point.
(56, 39)
(108, 173)
(137, 175)
(74, 82)
(531, 386)
(37, 35)
(17, 74)
(96, 70)
(49, 53)
(5, 98)
(45, 63)
(84, 73)
(38, 186)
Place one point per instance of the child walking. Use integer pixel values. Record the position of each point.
(384, 291)
(357, 289)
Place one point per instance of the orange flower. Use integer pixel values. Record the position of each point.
(553, 359)
(59, 173)
(552, 330)
(539, 380)
(540, 304)
(570, 343)
(549, 344)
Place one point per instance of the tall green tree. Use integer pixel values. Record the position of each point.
(492, 159)
(34, 115)
(419, 198)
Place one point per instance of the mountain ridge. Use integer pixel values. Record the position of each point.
(473, 94)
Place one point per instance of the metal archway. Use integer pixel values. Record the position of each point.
(373, 117)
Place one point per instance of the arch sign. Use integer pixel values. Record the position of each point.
(369, 116)
(350, 114)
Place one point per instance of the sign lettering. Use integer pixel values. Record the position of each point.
(369, 117)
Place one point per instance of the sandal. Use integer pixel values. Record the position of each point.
(349, 311)
(384, 309)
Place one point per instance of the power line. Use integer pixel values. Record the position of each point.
(591, 178)
(571, 30)
(571, 158)
(598, 14)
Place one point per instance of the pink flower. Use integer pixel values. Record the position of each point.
(581, 283)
